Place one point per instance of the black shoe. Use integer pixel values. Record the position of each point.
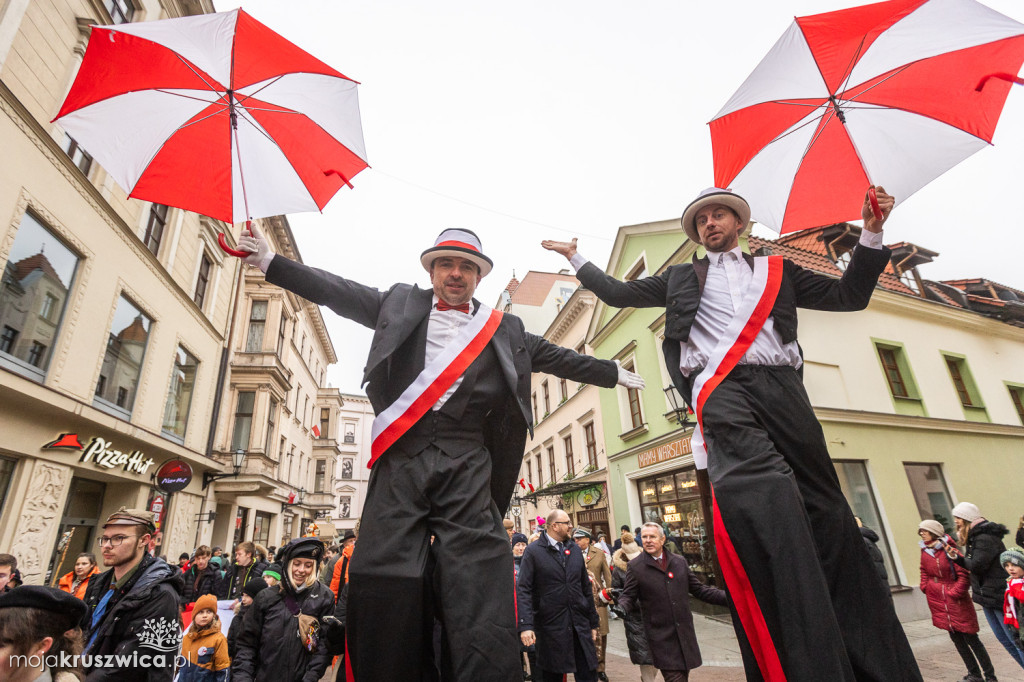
(601, 676)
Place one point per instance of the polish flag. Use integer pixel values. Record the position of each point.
(316, 430)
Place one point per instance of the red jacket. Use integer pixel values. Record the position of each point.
(947, 587)
(1013, 613)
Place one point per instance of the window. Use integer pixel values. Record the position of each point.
(155, 227)
(36, 354)
(536, 415)
(305, 411)
(345, 506)
(261, 528)
(966, 390)
(325, 421)
(350, 432)
(243, 420)
(853, 479)
(570, 466)
(257, 320)
(33, 295)
(588, 436)
(320, 475)
(280, 451)
(529, 471)
(540, 473)
(78, 156)
(672, 500)
(547, 398)
(897, 386)
(954, 366)
(552, 472)
(270, 426)
(637, 271)
(346, 468)
(122, 360)
(281, 334)
(10, 335)
(179, 393)
(202, 280)
(121, 11)
(636, 416)
(6, 475)
(563, 391)
(1017, 396)
(930, 493)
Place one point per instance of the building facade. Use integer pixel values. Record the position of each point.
(113, 314)
(919, 397)
(355, 424)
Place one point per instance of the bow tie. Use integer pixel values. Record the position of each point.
(462, 308)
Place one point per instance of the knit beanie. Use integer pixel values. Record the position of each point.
(273, 571)
(517, 538)
(1012, 556)
(207, 601)
(933, 527)
(967, 511)
(254, 587)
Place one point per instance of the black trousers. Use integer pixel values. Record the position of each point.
(392, 596)
(828, 615)
(973, 653)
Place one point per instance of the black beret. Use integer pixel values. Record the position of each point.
(46, 599)
(303, 548)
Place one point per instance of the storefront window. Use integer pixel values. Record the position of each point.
(853, 479)
(930, 493)
(179, 394)
(241, 522)
(33, 295)
(672, 500)
(6, 474)
(261, 528)
(122, 361)
(77, 531)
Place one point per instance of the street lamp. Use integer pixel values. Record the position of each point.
(679, 408)
(237, 461)
(298, 500)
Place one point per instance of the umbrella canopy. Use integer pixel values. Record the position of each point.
(215, 114)
(883, 93)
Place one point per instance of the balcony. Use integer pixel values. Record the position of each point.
(262, 365)
(319, 501)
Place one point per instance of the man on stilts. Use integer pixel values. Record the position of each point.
(807, 605)
(449, 381)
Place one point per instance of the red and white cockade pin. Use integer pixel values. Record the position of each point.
(670, 576)
(566, 552)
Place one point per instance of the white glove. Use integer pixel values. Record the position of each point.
(629, 379)
(261, 254)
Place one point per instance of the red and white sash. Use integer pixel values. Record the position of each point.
(432, 383)
(746, 324)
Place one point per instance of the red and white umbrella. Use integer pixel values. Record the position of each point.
(215, 114)
(888, 94)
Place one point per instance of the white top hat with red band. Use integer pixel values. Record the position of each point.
(458, 243)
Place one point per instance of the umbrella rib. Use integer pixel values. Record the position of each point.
(200, 120)
(869, 89)
(193, 70)
(178, 94)
(790, 132)
(253, 94)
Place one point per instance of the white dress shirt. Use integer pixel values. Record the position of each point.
(728, 279)
(442, 328)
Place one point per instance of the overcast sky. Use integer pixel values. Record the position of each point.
(527, 120)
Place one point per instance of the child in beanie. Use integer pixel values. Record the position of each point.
(1013, 601)
(204, 648)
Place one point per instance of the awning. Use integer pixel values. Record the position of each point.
(565, 487)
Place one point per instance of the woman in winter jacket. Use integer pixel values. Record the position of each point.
(947, 587)
(282, 631)
(983, 543)
(636, 639)
(77, 581)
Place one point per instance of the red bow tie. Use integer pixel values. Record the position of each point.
(462, 308)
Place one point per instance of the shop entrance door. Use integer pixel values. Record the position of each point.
(78, 527)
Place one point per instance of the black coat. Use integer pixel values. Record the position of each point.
(235, 629)
(269, 648)
(396, 313)
(633, 622)
(665, 595)
(981, 558)
(198, 583)
(555, 600)
(140, 618)
(678, 289)
(871, 543)
(237, 576)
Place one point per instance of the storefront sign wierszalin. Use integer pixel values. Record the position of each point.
(663, 453)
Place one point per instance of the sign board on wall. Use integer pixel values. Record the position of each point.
(102, 454)
(663, 453)
(173, 475)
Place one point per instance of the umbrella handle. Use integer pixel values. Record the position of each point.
(872, 197)
(222, 240)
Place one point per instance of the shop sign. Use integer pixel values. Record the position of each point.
(157, 505)
(665, 452)
(589, 496)
(173, 475)
(101, 453)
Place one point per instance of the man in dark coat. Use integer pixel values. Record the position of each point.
(133, 607)
(806, 605)
(451, 439)
(202, 577)
(662, 583)
(282, 631)
(246, 567)
(556, 604)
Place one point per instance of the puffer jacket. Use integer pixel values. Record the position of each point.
(142, 617)
(981, 558)
(636, 638)
(206, 655)
(877, 560)
(198, 583)
(269, 648)
(67, 583)
(947, 587)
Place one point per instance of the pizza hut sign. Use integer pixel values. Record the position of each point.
(100, 452)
